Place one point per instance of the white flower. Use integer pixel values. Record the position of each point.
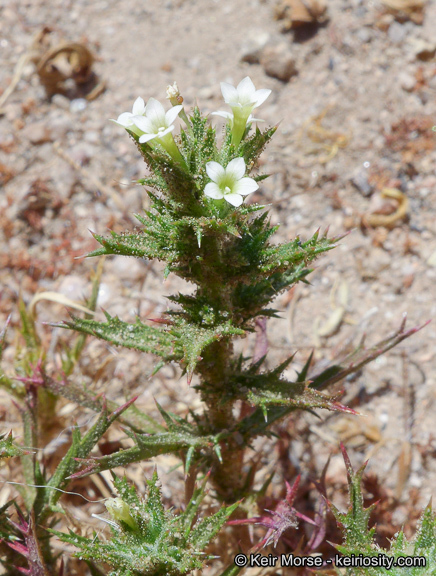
(243, 100)
(244, 96)
(126, 118)
(156, 123)
(229, 183)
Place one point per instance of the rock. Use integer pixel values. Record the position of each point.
(431, 261)
(294, 13)
(278, 62)
(78, 105)
(422, 49)
(59, 127)
(360, 181)
(207, 93)
(74, 287)
(407, 81)
(60, 101)
(252, 51)
(83, 152)
(38, 133)
(364, 35)
(128, 269)
(92, 136)
(397, 32)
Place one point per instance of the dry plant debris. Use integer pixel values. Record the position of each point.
(390, 220)
(62, 62)
(325, 139)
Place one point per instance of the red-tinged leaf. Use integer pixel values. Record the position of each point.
(36, 560)
(318, 535)
(122, 408)
(85, 471)
(19, 547)
(360, 357)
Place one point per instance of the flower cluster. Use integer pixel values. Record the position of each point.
(153, 126)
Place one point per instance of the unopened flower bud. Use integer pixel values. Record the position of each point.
(173, 94)
(120, 510)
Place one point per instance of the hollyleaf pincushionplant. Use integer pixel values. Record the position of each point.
(225, 250)
(198, 224)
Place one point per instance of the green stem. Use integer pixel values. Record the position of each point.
(214, 369)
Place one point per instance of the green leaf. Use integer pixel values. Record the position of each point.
(359, 539)
(79, 449)
(182, 436)
(158, 542)
(8, 449)
(194, 339)
(138, 336)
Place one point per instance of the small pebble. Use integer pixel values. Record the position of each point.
(78, 105)
(252, 51)
(38, 133)
(364, 35)
(360, 181)
(60, 101)
(432, 260)
(397, 32)
(407, 81)
(128, 269)
(74, 287)
(278, 62)
(422, 49)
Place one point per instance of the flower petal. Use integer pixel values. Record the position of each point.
(155, 113)
(213, 191)
(245, 186)
(215, 171)
(172, 114)
(246, 90)
(260, 96)
(124, 119)
(146, 138)
(229, 92)
(144, 124)
(138, 107)
(236, 168)
(250, 119)
(223, 114)
(233, 199)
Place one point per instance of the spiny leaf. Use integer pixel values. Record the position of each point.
(138, 336)
(8, 449)
(157, 541)
(194, 339)
(150, 445)
(360, 357)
